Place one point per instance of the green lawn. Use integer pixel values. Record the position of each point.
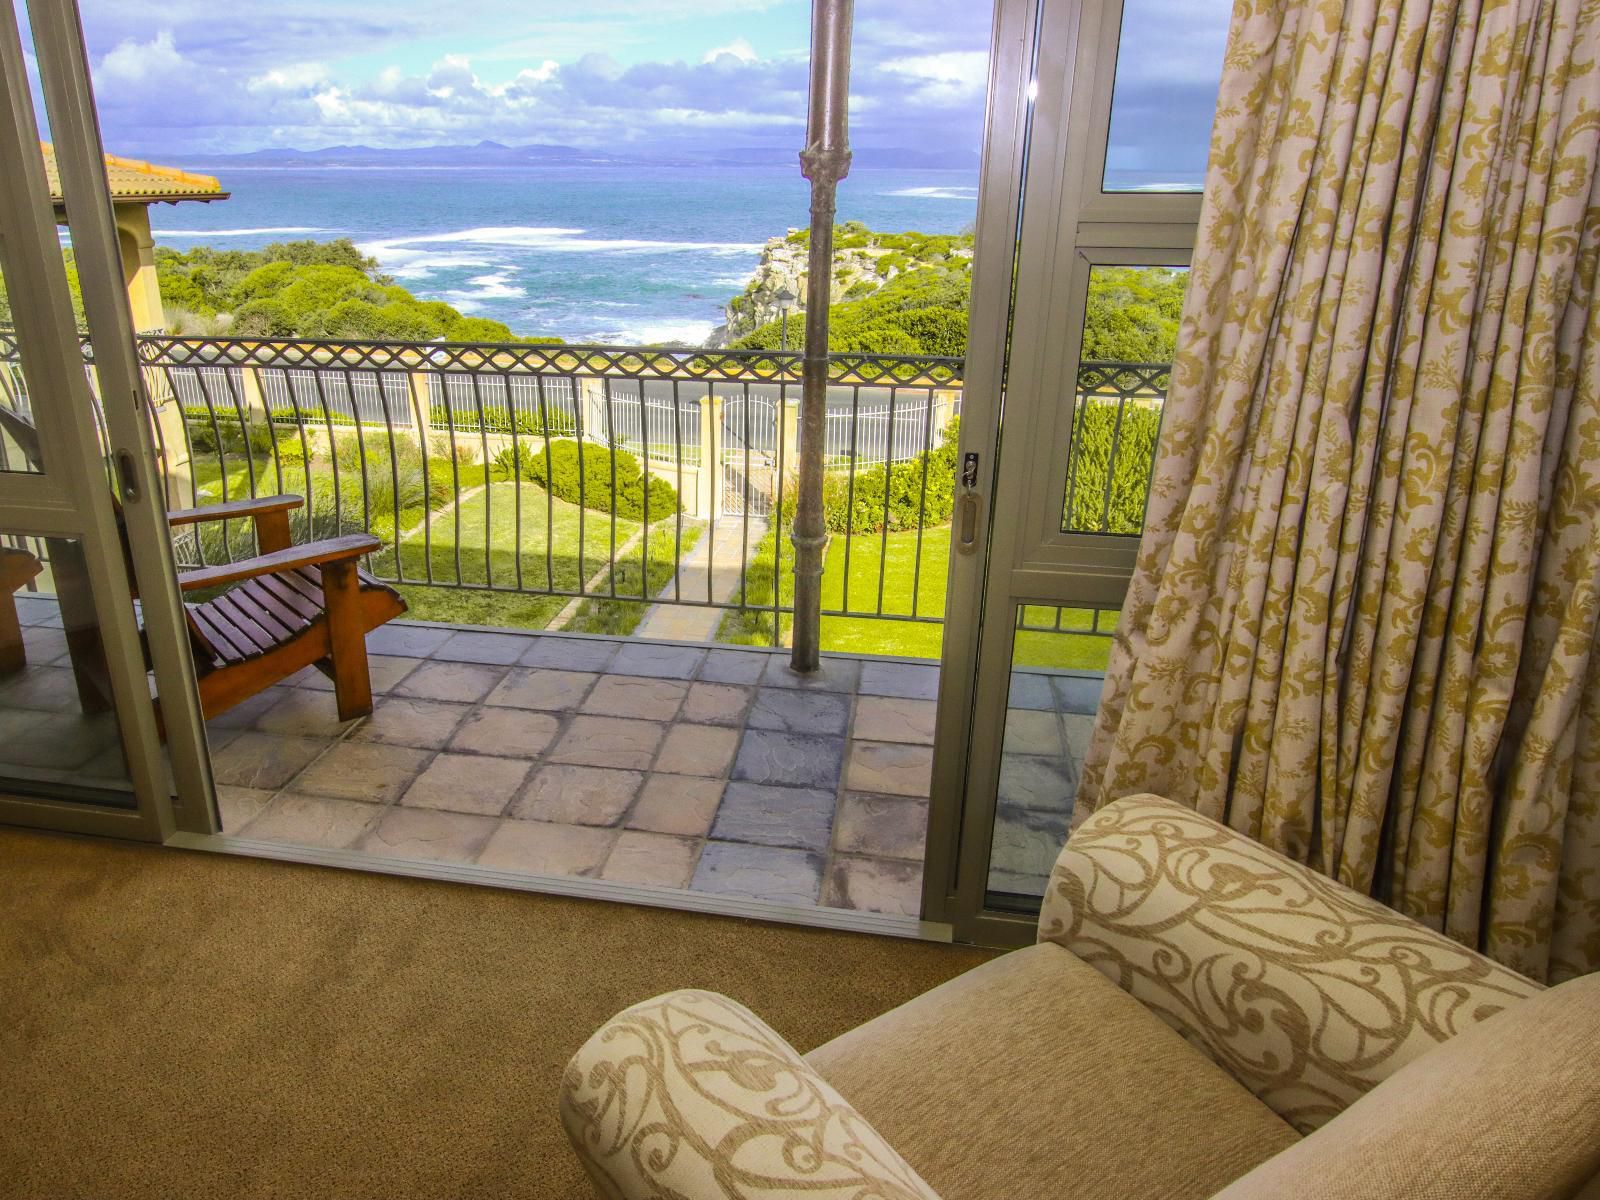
(913, 639)
(477, 542)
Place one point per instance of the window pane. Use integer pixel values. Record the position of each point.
(59, 735)
(1129, 333)
(1058, 662)
(1169, 64)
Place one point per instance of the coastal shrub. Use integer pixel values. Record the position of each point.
(208, 430)
(890, 495)
(1092, 473)
(581, 473)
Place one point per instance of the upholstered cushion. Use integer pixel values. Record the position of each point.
(1508, 1110)
(1034, 1076)
(1306, 992)
(692, 1096)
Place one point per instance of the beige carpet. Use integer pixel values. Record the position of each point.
(186, 1025)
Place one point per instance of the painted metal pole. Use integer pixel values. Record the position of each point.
(824, 161)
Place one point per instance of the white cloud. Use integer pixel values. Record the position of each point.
(139, 62)
(951, 74)
(739, 48)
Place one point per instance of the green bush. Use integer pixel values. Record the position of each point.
(557, 470)
(206, 427)
(1090, 474)
(890, 495)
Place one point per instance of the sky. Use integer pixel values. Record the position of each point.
(178, 78)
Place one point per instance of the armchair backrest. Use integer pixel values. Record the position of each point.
(1308, 993)
(1510, 1109)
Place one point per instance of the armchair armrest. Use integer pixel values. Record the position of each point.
(235, 509)
(1307, 992)
(690, 1094)
(351, 545)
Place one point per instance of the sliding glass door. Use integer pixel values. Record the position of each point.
(99, 728)
(1099, 129)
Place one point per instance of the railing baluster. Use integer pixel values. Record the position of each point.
(333, 451)
(394, 465)
(677, 457)
(850, 493)
(922, 503)
(488, 507)
(579, 406)
(549, 499)
(777, 520)
(424, 426)
(747, 494)
(514, 415)
(1111, 464)
(888, 490)
(611, 444)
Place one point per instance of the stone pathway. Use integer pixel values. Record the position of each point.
(719, 552)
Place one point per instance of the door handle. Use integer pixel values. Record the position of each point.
(967, 526)
(127, 476)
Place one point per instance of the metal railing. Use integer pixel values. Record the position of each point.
(601, 473)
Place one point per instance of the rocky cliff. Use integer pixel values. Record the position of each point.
(863, 262)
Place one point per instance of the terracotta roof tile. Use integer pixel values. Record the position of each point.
(132, 179)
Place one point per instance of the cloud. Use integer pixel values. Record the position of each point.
(739, 48)
(177, 80)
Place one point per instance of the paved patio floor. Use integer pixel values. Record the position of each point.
(716, 769)
(710, 768)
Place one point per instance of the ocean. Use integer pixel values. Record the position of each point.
(592, 253)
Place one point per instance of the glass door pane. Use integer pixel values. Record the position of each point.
(81, 744)
(1169, 63)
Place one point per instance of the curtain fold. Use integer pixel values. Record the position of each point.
(1363, 620)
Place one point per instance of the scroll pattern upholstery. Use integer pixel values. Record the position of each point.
(691, 1096)
(1306, 992)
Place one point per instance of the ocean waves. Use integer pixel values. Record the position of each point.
(968, 194)
(262, 232)
(556, 239)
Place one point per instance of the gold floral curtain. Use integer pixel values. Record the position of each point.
(1363, 624)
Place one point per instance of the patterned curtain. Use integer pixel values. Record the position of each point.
(1362, 628)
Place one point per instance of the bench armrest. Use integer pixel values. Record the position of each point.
(351, 545)
(690, 1094)
(235, 509)
(1307, 992)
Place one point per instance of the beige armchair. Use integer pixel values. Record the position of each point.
(1201, 1018)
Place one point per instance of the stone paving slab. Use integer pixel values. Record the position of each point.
(759, 873)
(766, 815)
(662, 661)
(910, 681)
(568, 653)
(712, 768)
(800, 760)
(795, 711)
(551, 690)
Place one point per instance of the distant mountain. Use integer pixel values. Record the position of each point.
(497, 154)
(486, 154)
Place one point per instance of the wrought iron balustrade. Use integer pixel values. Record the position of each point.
(595, 472)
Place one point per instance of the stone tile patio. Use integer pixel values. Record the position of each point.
(709, 768)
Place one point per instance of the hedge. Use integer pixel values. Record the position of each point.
(557, 470)
(1090, 468)
(861, 508)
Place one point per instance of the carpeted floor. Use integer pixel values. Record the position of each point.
(187, 1025)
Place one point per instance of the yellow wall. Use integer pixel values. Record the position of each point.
(139, 267)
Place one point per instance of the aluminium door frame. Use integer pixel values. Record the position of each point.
(72, 498)
(1061, 225)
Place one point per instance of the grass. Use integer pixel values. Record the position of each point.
(876, 635)
(477, 543)
(442, 602)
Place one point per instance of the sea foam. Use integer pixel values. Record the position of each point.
(211, 233)
(557, 240)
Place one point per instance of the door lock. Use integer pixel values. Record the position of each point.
(970, 504)
(127, 476)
